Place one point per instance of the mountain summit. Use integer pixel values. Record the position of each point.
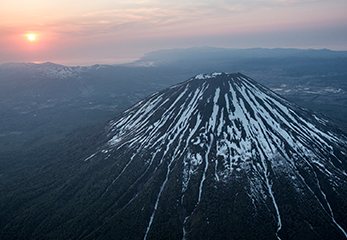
(221, 157)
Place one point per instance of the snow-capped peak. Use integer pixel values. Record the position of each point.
(232, 134)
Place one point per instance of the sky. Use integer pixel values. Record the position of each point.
(86, 32)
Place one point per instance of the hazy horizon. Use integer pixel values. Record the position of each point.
(90, 62)
(88, 32)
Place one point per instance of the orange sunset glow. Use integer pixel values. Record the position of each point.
(111, 31)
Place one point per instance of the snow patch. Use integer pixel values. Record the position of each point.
(207, 76)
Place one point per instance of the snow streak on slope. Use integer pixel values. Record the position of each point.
(220, 127)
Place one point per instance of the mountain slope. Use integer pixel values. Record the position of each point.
(220, 155)
(216, 157)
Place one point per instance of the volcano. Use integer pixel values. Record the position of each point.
(222, 157)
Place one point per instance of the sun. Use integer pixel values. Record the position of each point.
(31, 37)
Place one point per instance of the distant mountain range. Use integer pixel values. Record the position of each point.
(218, 156)
(41, 103)
(168, 56)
